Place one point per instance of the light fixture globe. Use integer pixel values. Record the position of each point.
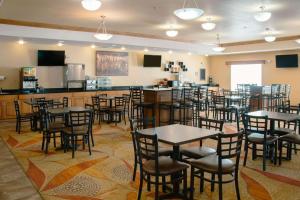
(188, 13)
(262, 15)
(103, 36)
(171, 33)
(208, 26)
(91, 5)
(270, 38)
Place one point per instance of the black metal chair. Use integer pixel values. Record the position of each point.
(80, 125)
(49, 129)
(256, 133)
(20, 118)
(65, 102)
(197, 152)
(139, 124)
(225, 162)
(100, 108)
(288, 140)
(186, 106)
(158, 166)
(117, 112)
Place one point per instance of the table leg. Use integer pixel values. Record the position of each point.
(176, 156)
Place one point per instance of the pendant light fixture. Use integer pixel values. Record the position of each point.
(101, 33)
(208, 25)
(188, 13)
(91, 5)
(269, 37)
(218, 48)
(262, 15)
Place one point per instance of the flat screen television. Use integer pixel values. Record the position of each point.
(51, 58)
(287, 61)
(152, 61)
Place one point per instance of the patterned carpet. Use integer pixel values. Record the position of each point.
(107, 173)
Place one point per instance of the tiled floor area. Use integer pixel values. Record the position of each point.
(107, 173)
(14, 184)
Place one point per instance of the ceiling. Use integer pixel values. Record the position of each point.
(234, 18)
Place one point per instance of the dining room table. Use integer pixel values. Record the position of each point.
(276, 116)
(177, 135)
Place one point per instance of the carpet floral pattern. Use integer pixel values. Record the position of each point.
(107, 173)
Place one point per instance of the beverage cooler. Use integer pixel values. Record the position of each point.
(28, 80)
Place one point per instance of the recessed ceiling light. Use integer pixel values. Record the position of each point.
(189, 53)
(208, 25)
(206, 55)
(170, 52)
(60, 43)
(21, 41)
(93, 46)
(91, 5)
(270, 38)
(298, 41)
(123, 48)
(172, 33)
(262, 15)
(146, 50)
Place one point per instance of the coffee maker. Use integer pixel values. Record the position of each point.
(28, 79)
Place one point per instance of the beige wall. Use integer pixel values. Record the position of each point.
(220, 72)
(14, 56)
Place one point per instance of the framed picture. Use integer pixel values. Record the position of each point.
(202, 75)
(109, 63)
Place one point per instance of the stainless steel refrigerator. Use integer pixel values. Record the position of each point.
(74, 75)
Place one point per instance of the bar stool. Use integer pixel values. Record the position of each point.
(138, 106)
(186, 106)
(170, 106)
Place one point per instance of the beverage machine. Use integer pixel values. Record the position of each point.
(28, 80)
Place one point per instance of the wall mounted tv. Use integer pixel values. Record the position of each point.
(287, 61)
(51, 58)
(152, 61)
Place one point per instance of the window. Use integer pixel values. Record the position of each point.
(245, 74)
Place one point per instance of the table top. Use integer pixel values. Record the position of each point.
(177, 134)
(275, 115)
(66, 110)
(35, 102)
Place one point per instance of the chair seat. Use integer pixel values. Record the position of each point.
(56, 126)
(291, 137)
(166, 166)
(210, 164)
(197, 152)
(26, 116)
(78, 130)
(169, 104)
(282, 131)
(259, 138)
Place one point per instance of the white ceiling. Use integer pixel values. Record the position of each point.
(234, 18)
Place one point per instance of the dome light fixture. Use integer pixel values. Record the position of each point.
(103, 35)
(171, 33)
(218, 48)
(93, 46)
(269, 36)
(60, 43)
(21, 41)
(188, 13)
(91, 5)
(208, 25)
(262, 15)
(146, 50)
(170, 51)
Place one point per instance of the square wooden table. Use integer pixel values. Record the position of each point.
(177, 134)
(276, 116)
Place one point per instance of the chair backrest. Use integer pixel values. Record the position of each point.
(219, 100)
(17, 108)
(187, 94)
(44, 119)
(255, 124)
(229, 147)
(81, 119)
(211, 124)
(65, 102)
(119, 102)
(136, 94)
(147, 147)
(95, 102)
(139, 124)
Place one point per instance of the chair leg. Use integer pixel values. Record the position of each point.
(156, 187)
(220, 186)
(134, 169)
(148, 182)
(236, 181)
(246, 153)
(280, 151)
(140, 186)
(89, 144)
(264, 156)
(73, 146)
(201, 181)
(185, 184)
(275, 153)
(192, 183)
(212, 184)
(164, 188)
(43, 141)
